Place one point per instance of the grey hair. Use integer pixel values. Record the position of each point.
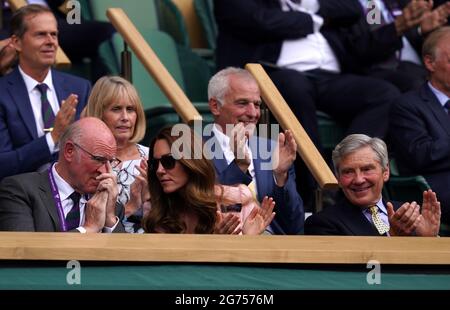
(74, 132)
(219, 84)
(354, 142)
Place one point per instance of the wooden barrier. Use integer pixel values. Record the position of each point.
(223, 249)
(151, 62)
(62, 61)
(280, 109)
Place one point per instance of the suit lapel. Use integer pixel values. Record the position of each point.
(355, 220)
(61, 88)
(436, 108)
(18, 91)
(47, 199)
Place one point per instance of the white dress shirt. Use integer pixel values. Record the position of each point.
(312, 51)
(35, 99)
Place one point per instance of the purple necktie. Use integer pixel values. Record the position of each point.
(73, 217)
(447, 106)
(48, 117)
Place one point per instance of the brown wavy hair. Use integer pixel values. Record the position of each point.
(197, 195)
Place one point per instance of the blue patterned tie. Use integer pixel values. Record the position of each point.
(73, 217)
(48, 116)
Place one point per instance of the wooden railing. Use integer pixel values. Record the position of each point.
(223, 249)
(151, 62)
(283, 113)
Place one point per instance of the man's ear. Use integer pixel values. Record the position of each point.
(429, 63)
(69, 151)
(16, 42)
(214, 106)
(386, 174)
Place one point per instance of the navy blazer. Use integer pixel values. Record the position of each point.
(254, 30)
(420, 134)
(27, 204)
(290, 216)
(342, 219)
(21, 150)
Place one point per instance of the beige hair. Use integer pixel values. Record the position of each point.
(105, 91)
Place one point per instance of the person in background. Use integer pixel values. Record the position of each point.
(37, 103)
(116, 102)
(235, 101)
(420, 125)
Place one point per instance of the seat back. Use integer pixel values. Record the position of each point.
(165, 48)
(205, 13)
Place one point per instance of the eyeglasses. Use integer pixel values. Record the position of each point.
(100, 159)
(167, 161)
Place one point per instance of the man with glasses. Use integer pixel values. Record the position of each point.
(78, 193)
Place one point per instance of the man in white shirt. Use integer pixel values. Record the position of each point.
(32, 120)
(57, 199)
(386, 43)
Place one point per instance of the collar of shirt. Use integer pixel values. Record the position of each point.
(224, 142)
(31, 83)
(383, 213)
(441, 97)
(65, 190)
(306, 6)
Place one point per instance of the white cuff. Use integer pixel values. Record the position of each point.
(81, 229)
(108, 230)
(52, 147)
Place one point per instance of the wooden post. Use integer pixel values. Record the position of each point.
(62, 61)
(151, 62)
(280, 109)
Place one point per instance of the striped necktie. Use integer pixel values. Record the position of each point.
(48, 117)
(381, 226)
(73, 217)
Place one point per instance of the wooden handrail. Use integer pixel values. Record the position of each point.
(283, 113)
(223, 249)
(151, 62)
(61, 61)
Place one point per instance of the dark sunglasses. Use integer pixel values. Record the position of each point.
(167, 161)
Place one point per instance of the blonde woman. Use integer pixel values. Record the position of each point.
(115, 101)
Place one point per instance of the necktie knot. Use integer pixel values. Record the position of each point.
(42, 88)
(75, 196)
(381, 226)
(447, 106)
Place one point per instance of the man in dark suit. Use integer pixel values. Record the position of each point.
(420, 124)
(362, 167)
(243, 158)
(300, 44)
(386, 42)
(56, 199)
(26, 143)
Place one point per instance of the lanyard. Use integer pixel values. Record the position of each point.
(57, 199)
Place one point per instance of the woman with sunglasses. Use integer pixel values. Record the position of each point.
(185, 198)
(115, 101)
